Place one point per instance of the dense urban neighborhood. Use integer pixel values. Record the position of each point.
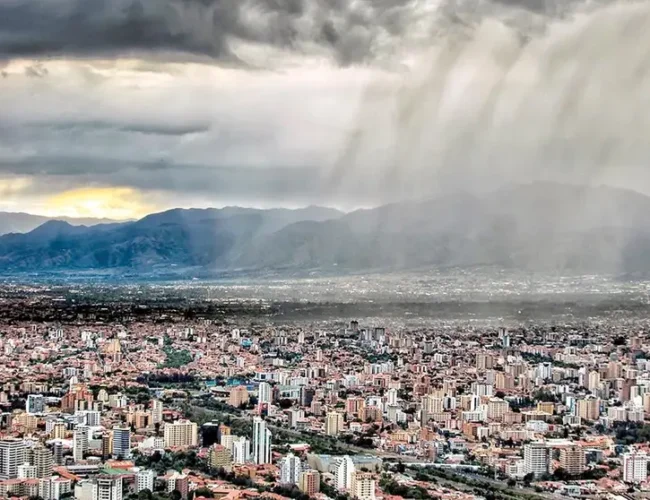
(178, 406)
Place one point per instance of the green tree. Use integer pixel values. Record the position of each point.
(145, 495)
(203, 492)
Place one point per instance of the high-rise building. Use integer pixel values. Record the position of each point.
(13, 453)
(26, 471)
(333, 423)
(59, 430)
(265, 393)
(546, 407)
(432, 404)
(290, 469)
(35, 404)
(43, 461)
(238, 396)
(141, 419)
(306, 395)
(210, 434)
(484, 362)
(504, 381)
(156, 411)
(572, 460)
(80, 442)
(261, 442)
(219, 457)
(635, 467)
(309, 482)
(363, 486)
(181, 433)
(593, 381)
(121, 442)
(545, 370)
(497, 408)
(354, 404)
(178, 482)
(536, 459)
(108, 488)
(241, 449)
(93, 418)
(588, 408)
(343, 472)
(26, 421)
(57, 453)
(107, 445)
(295, 416)
(391, 396)
(144, 480)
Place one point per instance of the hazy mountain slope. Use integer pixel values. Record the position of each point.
(539, 226)
(173, 238)
(16, 222)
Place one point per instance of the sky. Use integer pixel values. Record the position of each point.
(119, 108)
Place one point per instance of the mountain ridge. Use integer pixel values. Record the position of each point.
(540, 226)
(22, 222)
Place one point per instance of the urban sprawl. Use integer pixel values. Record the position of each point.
(177, 408)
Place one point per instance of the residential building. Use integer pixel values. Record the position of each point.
(144, 480)
(13, 452)
(290, 469)
(363, 486)
(219, 457)
(264, 393)
(181, 433)
(156, 411)
(238, 396)
(333, 423)
(121, 442)
(43, 461)
(536, 459)
(261, 442)
(80, 442)
(309, 482)
(241, 449)
(35, 404)
(343, 472)
(635, 467)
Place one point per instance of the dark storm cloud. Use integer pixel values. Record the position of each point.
(350, 31)
(269, 184)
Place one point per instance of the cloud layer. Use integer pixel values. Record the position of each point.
(351, 31)
(291, 102)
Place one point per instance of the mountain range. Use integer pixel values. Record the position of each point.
(541, 226)
(18, 222)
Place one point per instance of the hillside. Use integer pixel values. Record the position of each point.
(541, 226)
(17, 222)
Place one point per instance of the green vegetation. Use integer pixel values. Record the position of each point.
(176, 358)
(392, 487)
(170, 461)
(485, 489)
(594, 474)
(632, 432)
(141, 395)
(332, 492)
(148, 495)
